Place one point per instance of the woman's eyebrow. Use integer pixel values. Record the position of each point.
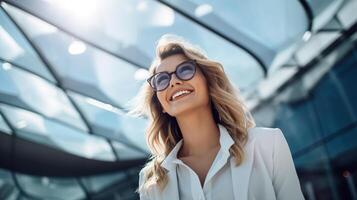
(172, 70)
(164, 71)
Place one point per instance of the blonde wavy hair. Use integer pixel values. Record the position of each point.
(163, 131)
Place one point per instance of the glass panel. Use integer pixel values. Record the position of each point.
(318, 6)
(15, 195)
(26, 90)
(270, 85)
(22, 197)
(3, 126)
(331, 105)
(315, 46)
(323, 11)
(235, 13)
(8, 190)
(104, 118)
(34, 127)
(138, 39)
(343, 150)
(299, 124)
(347, 14)
(111, 122)
(80, 66)
(344, 143)
(51, 188)
(125, 152)
(120, 190)
(134, 130)
(315, 175)
(14, 48)
(95, 184)
(346, 72)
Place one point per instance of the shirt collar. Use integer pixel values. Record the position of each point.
(225, 141)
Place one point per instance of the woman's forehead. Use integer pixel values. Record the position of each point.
(170, 63)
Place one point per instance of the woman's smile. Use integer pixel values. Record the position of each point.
(180, 95)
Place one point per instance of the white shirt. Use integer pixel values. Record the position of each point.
(218, 181)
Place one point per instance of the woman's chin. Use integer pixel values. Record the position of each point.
(182, 110)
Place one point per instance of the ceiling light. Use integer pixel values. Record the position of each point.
(6, 66)
(76, 47)
(203, 10)
(306, 36)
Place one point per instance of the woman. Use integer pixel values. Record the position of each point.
(203, 140)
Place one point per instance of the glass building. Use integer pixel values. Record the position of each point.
(69, 68)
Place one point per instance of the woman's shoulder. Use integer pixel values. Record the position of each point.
(266, 138)
(268, 144)
(263, 133)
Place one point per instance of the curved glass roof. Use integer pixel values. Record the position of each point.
(69, 68)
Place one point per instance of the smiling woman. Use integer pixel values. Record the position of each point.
(202, 137)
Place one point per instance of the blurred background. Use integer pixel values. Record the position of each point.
(68, 69)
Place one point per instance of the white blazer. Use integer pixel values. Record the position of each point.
(267, 173)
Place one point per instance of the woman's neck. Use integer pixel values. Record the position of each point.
(199, 131)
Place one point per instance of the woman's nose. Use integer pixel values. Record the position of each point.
(174, 80)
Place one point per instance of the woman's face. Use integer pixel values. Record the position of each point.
(197, 98)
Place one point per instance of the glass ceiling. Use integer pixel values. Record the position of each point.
(232, 15)
(16, 49)
(69, 68)
(139, 37)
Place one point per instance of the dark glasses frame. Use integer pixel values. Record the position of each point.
(195, 64)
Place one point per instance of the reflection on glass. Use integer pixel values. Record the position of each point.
(323, 130)
(235, 14)
(346, 14)
(299, 123)
(315, 174)
(76, 47)
(315, 46)
(34, 127)
(125, 152)
(81, 67)
(345, 72)
(111, 122)
(138, 39)
(104, 118)
(27, 90)
(329, 98)
(8, 188)
(319, 6)
(342, 151)
(5, 176)
(14, 48)
(4, 128)
(134, 130)
(95, 184)
(51, 188)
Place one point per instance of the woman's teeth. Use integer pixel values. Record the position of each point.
(179, 93)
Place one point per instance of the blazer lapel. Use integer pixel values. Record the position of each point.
(241, 173)
(171, 189)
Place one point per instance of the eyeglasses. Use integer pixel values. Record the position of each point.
(184, 71)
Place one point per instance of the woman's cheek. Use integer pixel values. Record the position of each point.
(162, 100)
